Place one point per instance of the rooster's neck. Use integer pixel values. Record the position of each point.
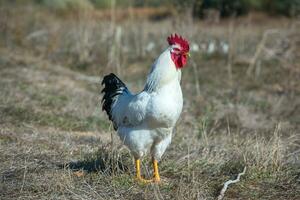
(163, 72)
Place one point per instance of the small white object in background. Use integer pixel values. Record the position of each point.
(195, 47)
(211, 47)
(150, 46)
(224, 47)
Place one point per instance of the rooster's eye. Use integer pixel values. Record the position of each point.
(176, 50)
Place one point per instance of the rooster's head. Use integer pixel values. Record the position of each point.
(179, 49)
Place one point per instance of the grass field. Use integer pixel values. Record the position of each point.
(241, 106)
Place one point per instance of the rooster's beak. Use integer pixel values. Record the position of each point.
(188, 54)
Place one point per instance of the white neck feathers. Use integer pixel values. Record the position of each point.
(162, 72)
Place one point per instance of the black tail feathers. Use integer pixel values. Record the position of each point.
(113, 87)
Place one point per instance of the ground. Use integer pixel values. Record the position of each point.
(241, 108)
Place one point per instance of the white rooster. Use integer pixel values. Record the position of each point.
(145, 121)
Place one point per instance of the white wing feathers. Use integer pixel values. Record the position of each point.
(130, 110)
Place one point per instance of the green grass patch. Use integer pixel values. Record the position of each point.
(54, 101)
(124, 181)
(5, 139)
(18, 114)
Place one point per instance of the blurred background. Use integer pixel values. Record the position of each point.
(241, 96)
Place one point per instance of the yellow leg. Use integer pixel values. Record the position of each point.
(138, 172)
(156, 173)
(138, 169)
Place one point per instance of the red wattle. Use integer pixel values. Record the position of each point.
(179, 60)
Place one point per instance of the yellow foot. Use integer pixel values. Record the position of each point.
(142, 180)
(153, 180)
(156, 178)
(138, 173)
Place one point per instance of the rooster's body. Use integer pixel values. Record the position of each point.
(145, 121)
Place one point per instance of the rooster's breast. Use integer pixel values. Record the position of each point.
(165, 106)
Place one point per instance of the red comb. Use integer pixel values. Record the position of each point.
(177, 39)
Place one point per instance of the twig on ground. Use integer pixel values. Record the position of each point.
(227, 183)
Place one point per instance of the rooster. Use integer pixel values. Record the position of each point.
(145, 121)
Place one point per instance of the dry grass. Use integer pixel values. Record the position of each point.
(51, 123)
